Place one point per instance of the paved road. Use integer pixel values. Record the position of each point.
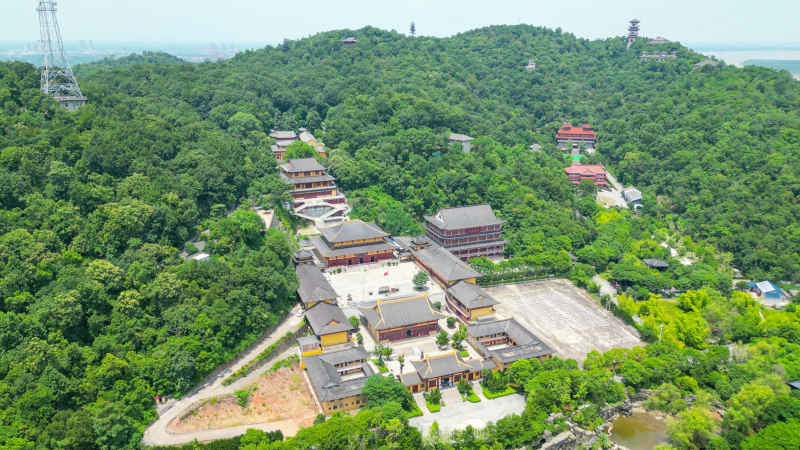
(157, 434)
(606, 288)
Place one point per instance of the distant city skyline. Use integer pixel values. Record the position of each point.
(265, 21)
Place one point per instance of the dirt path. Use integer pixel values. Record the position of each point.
(157, 434)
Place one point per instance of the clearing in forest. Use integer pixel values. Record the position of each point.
(281, 397)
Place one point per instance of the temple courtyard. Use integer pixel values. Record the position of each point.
(367, 283)
(563, 316)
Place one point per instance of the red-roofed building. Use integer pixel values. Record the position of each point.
(584, 135)
(595, 172)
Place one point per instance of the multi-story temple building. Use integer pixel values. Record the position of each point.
(467, 232)
(401, 318)
(283, 139)
(352, 242)
(314, 192)
(596, 173)
(578, 136)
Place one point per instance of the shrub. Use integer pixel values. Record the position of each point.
(434, 396)
(451, 322)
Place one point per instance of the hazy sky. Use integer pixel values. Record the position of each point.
(270, 21)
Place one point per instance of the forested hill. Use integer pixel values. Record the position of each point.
(717, 146)
(99, 312)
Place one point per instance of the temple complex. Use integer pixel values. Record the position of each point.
(596, 173)
(576, 136)
(314, 192)
(352, 242)
(467, 232)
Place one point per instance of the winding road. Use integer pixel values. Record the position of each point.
(157, 433)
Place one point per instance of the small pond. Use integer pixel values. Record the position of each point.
(639, 431)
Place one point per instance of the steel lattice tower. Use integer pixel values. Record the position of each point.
(57, 77)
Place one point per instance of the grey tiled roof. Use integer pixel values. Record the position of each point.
(352, 230)
(307, 340)
(313, 285)
(394, 313)
(443, 365)
(471, 295)
(302, 165)
(631, 194)
(325, 318)
(300, 180)
(460, 137)
(528, 345)
(445, 265)
(409, 379)
(306, 137)
(325, 376)
(279, 134)
(322, 247)
(464, 217)
(655, 263)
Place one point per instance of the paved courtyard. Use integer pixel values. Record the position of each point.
(565, 317)
(458, 414)
(361, 283)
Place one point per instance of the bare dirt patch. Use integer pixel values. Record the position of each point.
(282, 397)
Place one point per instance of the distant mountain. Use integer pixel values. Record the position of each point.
(792, 66)
(108, 63)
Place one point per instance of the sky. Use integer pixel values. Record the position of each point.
(271, 21)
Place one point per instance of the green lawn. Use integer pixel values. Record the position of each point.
(381, 367)
(433, 407)
(473, 397)
(415, 412)
(490, 395)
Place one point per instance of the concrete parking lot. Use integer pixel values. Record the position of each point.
(565, 317)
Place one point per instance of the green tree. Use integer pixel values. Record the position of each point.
(692, 428)
(381, 390)
(420, 279)
(442, 338)
(299, 149)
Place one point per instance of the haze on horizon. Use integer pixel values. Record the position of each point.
(270, 21)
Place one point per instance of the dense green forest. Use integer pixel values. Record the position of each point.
(99, 313)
